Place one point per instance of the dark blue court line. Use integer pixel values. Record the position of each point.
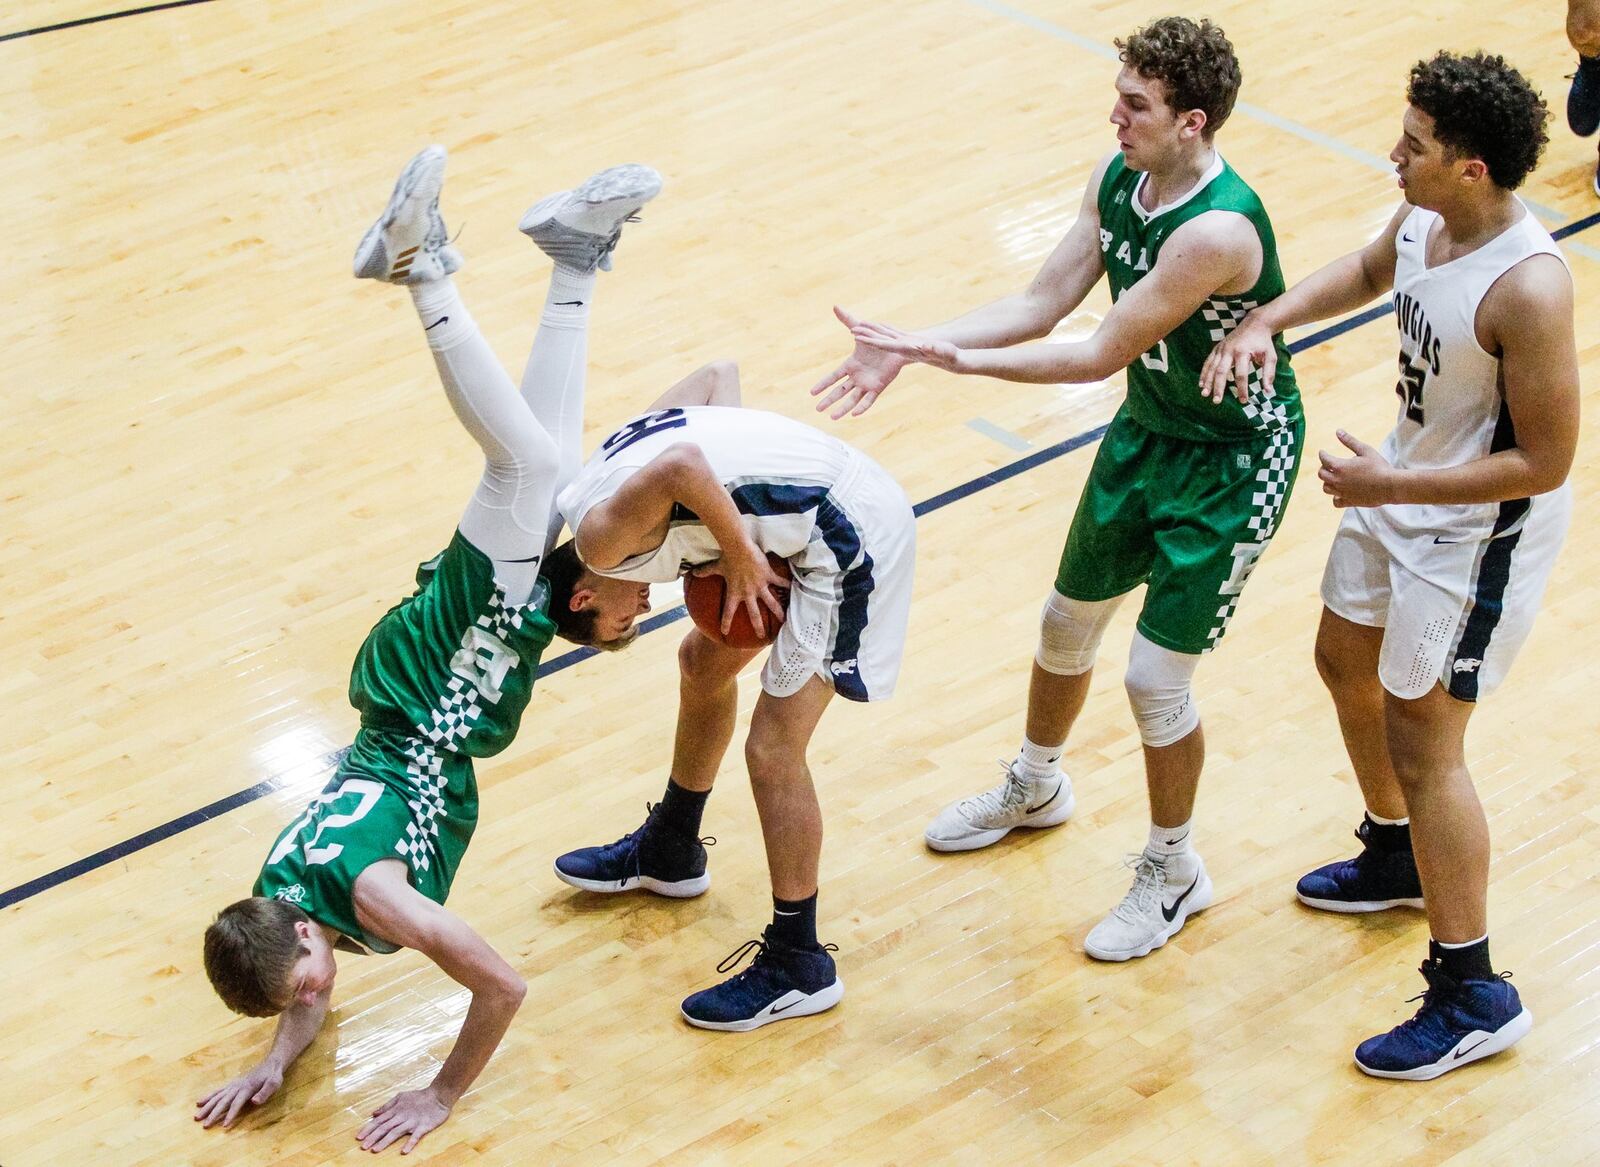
(566, 660)
(11, 36)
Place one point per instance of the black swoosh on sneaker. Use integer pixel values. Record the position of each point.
(1172, 912)
(569, 303)
(1461, 1053)
(776, 1009)
(436, 324)
(1048, 801)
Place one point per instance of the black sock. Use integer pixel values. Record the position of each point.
(680, 810)
(1384, 836)
(1464, 964)
(794, 922)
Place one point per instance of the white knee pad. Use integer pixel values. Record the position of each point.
(1158, 689)
(1070, 632)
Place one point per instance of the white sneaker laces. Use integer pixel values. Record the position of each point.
(1149, 882)
(1000, 800)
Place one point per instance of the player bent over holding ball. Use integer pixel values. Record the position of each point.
(698, 483)
(442, 679)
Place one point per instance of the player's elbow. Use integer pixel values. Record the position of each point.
(510, 990)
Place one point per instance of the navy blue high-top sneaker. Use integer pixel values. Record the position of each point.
(1459, 1022)
(653, 858)
(781, 982)
(1583, 99)
(1383, 876)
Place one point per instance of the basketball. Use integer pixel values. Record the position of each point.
(702, 595)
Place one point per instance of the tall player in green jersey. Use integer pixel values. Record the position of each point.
(443, 677)
(1185, 493)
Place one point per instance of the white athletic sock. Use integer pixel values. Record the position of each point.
(1379, 821)
(1169, 842)
(445, 320)
(1039, 763)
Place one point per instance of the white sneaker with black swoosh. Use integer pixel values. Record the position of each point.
(988, 817)
(1163, 896)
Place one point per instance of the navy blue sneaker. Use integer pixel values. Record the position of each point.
(651, 858)
(781, 982)
(1459, 1022)
(1583, 99)
(1378, 878)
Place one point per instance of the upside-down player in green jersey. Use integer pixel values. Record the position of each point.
(1184, 495)
(442, 679)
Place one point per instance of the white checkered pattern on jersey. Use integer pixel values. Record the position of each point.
(1263, 412)
(452, 722)
(1272, 478)
(425, 769)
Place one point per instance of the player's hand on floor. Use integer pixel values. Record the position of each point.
(855, 385)
(1367, 480)
(1247, 347)
(248, 1089)
(411, 1112)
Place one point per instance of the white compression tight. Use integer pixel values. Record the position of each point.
(531, 439)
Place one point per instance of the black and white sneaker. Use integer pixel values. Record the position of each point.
(1163, 896)
(652, 858)
(579, 228)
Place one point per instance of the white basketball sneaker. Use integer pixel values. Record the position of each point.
(986, 818)
(1162, 897)
(408, 244)
(580, 228)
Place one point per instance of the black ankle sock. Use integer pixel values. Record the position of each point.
(1385, 836)
(794, 922)
(680, 809)
(1464, 964)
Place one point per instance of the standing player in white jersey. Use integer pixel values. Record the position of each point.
(698, 483)
(1452, 527)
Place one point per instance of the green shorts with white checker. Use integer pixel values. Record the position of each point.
(1188, 518)
(444, 677)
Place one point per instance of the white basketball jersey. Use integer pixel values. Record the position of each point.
(1451, 407)
(778, 471)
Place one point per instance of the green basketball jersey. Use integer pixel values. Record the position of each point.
(443, 678)
(1164, 383)
(453, 664)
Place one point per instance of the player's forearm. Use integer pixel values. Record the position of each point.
(1338, 288)
(298, 1026)
(695, 485)
(998, 324)
(1505, 475)
(1040, 364)
(488, 1018)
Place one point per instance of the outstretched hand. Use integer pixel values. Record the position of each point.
(910, 346)
(411, 1112)
(855, 384)
(1367, 480)
(251, 1088)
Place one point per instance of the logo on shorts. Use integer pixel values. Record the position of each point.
(1467, 665)
(293, 894)
(1242, 461)
(842, 668)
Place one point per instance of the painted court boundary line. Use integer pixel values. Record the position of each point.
(11, 36)
(1004, 473)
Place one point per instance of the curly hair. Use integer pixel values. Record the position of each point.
(1482, 108)
(1196, 63)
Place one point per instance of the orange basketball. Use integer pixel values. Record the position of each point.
(702, 595)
